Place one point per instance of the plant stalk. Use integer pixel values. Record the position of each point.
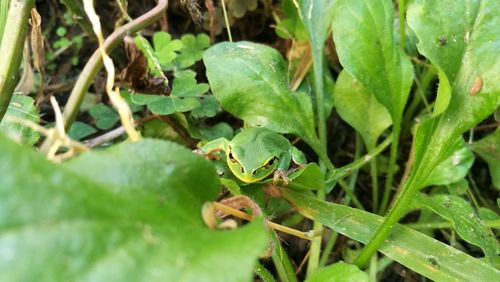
(401, 16)
(226, 20)
(12, 49)
(352, 182)
(283, 265)
(374, 177)
(315, 248)
(263, 273)
(398, 210)
(392, 165)
(4, 9)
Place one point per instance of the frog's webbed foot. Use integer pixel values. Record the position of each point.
(199, 152)
(280, 175)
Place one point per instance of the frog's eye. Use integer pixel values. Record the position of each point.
(231, 157)
(270, 163)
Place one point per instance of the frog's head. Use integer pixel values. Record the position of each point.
(250, 170)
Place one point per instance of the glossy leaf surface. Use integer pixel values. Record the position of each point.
(465, 221)
(454, 168)
(129, 213)
(364, 37)
(310, 176)
(360, 109)
(249, 80)
(317, 17)
(339, 272)
(461, 39)
(421, 253)
(21, 108)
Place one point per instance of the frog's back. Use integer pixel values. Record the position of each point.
(256, 144)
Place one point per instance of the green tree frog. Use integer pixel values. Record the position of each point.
(255, 153)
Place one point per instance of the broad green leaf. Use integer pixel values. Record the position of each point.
(360, 109)
(364, 37)
(80, 130)
(105, 117)
(128, 97)
(166, 48)
(192, 50)
(488, 149)
(21, 108)
(166, 105)
(443, 94)
(129, 213)
(208, 107)
(309, 177)
(453, 169)
(317, 17)
(339, 272)
(487, 214)
(249, 80)
(184, 97)
(418, 252)
(458, 188)
(185, 85)
(462, 42)
(465, 221)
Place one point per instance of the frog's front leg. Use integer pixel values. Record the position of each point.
(281, 171)
(293, 155)
(298, 157)
(220, 144)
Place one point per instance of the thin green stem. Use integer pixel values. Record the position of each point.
(476, 192)
(226, 20)
(263, 273)
(357, 154)
(328, 248)
(4, 8)
(398, 210)
(352, 183)
(373, 268)
(315, 247)
(11, 49)
(392, 166)
(319, 95)
(282, 264)
(419, 95)
(374, 177)
(358, 163)
(94, 64)
(401, 16)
